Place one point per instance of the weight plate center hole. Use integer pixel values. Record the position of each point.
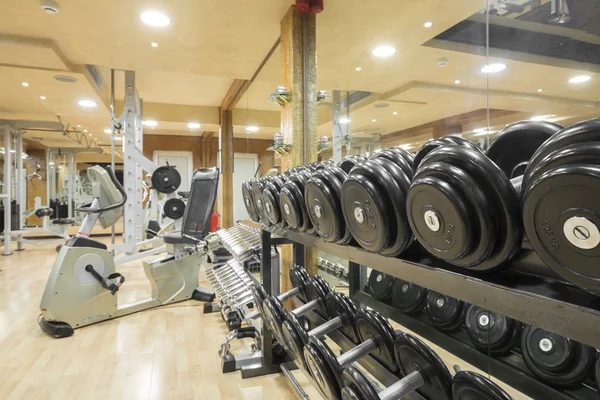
(546, 345)
(440, 302)
(581, 233)
(286, 208)
(318, 211)
(432, 220)
(484, 321)
(359, 215)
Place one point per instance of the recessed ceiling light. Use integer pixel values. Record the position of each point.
(580, 79)
(358, 68)
(540, 90)
(79, 126)
(108, 131)
(252, 128)
(193, 125)
(155, 18)
(383, 51)
(428, 24)
(42, 97)
(395, 113)
(89, 134)
(85, 131)
(154, 44)
(373, 120)
(344, 120)
(456, 82)
(151, 123)
(24, 84)
(493, 68)
(65, 78)
(87, 103)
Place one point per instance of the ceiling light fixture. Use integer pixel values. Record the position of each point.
(252, 129)
(108, 131)
(154, 44)
(540, 90)
(373, 120)
(87, 103)
(25, 84)
(456, 82)
(358, 68)
(79, 126)
(85, 131)
(193, 125)
(344, 121)
(580, 79)
(151, 123)
(42, 97)
(493, 68)
(89, 134)
(428, 24)
(383, 51)
(155, 18)
(395, 113)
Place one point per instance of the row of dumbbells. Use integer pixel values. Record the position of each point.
(467, 206)
(240, 240)
(418, 367)
(551, 358)
(332, 267)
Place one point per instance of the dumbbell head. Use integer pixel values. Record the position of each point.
(349, 162)
(445, 313)
(491, 332)
(292, 203)
(468, 385)
(270, 198)
(380, 285)
(249, 201)
(407, 297)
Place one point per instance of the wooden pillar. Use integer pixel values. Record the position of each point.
(298, 73)
(226, 180)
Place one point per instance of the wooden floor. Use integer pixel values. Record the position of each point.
(165, 353)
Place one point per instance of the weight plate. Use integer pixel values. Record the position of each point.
(302, 272)
(400, 157)
(555, 359)
(257, 299)
(174, 208)
(257, 186)
(370, 326)
(324, 368)
(518, 142)
(414, 355)
(274, 315)
(271, 203)
(348, 163)
(166, 179)
(294, 339)
(339, 305)
(445, 313)
(291, 208)
(468, 385)
(407, 297)
(490, 332)
(314, 291)
(298, 280)
(435, 143)
(357, 385)
(380, 285)
(323, 205)
(249, 202)
(321, 282)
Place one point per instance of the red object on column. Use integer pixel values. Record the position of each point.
(303, 5)
(316, 6)
(214, 222)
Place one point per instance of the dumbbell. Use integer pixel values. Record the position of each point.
(373, 202)
(291, 200)
(462, 206)
(469, 385)
(422, 369)
(349, 162)
(376, 338)
(270, 199)
(491, 333)
(445, 313)
(249, 201)
(555, 359)
(407, 297)
(380, 285)
(341, 311)
(275, 313)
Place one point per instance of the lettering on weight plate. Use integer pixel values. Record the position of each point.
(369, 212)
(449, 233)
(551, 236)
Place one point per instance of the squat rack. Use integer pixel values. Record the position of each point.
(526, 290)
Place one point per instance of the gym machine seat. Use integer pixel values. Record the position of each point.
(196, 219)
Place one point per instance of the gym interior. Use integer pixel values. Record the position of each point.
(300, 199)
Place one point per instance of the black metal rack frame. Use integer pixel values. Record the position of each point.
(525, 290)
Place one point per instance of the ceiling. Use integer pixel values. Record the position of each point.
(210, 44)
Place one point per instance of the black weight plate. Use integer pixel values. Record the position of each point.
(370, 326)
(302, 272)
(166, 179)
(561, 210)
(324, 368)
(414, 355)
(365, 208)
(257, 186)
(324, 285)
(380, 285)
(270, 200)
(174, 208)
(554, 359)
(400, 157)
(518, 142)
(445, 313)
(257, 298)
(468, 385)
(314, 291)
(339, 305)
(249, 202)
(298, 280)
(407, 297)
(435, 143)
(322, 204)
(357, 385)
(490, 332)
(347, 164)
(274, 315)
(294, 339)
(291, 208)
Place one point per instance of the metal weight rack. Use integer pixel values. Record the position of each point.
(526, 290)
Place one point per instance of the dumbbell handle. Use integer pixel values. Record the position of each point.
(517, 182)
(289, 294)
(357, 352)
(329, 326)
(406, 385)
(304, 308)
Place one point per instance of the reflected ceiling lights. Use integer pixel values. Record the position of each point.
(428, 24)
(87, 103)
(456, 82)
(25, 84)
(42, 97)
(252, 129)
(540, 90)
(542, 117)
(193, 125)
(358, 68)
(383, 51)
(395, 113)
(154, 44)
(373, 120)
(151, 123)
(344, 120)
(493, 68)
(107, 131)
(155, 18)
(580, 79)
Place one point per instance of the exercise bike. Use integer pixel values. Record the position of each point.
(83, 283)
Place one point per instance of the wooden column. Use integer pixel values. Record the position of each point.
(226, 180)
(298, 73)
